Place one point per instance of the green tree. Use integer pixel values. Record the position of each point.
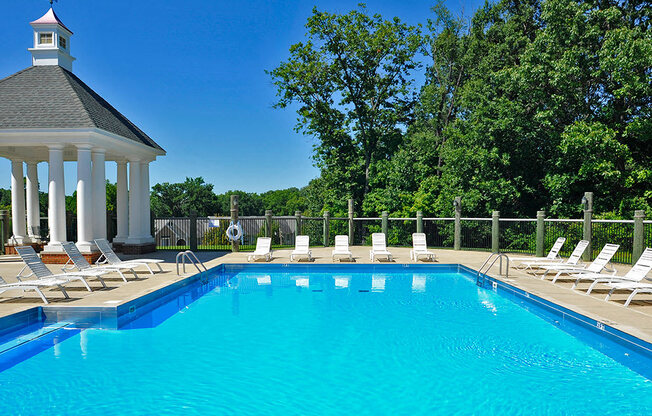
(352, 81)
(179, 199)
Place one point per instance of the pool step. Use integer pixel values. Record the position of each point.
(40, 333)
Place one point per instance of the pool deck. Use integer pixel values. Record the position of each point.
(635, 320)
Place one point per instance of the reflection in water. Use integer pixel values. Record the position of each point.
(235, 303)
(378, 283)
(418, 283)
(83, 343)
(341, 282)
(264, 280)
(302, 281)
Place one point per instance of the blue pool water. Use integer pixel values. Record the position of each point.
(330, 343)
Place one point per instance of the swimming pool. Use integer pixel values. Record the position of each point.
(328, 340)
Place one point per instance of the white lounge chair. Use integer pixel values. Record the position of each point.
(80, 263)
(597, 266)
(301, 248)
(631, 280)
(379, 247)
(109, 256)
(38, 269)
(263, 249)
(420, 248)
(36, 286)
(572, 261)
(553, 255)
(342, 247)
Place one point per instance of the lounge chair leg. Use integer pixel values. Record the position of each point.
(42, 295)
(160, 269)
(595, 282)
(629, 299)
(101, 281)
(149, 268)
(556, 277)
(134, 273)
(86, 284)
(610, 293)
(63, 290)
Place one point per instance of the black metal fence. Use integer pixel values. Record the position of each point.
(570, 229)
(514, 234)
(476, 233)
(363, 228)
(614, 232)
(518, 235)
(440, 232)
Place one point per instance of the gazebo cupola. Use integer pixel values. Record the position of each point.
(49, 115)
(51, 42)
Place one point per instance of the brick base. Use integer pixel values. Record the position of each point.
(62, 258)
(138, 248)
(117, 247)
(9, 249)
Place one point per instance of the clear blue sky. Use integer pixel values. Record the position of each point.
(191, 74)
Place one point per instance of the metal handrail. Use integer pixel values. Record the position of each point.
(494, 256)
(192, 258)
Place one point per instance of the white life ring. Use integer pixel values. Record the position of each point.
(234, 232)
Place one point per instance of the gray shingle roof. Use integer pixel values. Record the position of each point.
(52, 97)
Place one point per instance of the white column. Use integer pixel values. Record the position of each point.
(99, 194)
(84, 200)
(135, 197)
(145, 203)
(121, 201)
(56, 199)
(17, 203)
(33, 206)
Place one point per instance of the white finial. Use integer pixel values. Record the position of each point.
(51, 41)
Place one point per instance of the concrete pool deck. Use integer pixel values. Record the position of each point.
(635, 320)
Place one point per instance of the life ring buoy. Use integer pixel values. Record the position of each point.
(234, 232)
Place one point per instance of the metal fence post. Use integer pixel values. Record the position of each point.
(419, 221)
(541, 234)
(639, 235)
(587, 201)
(268, 223)
(350, 222)
(4, 218)
(235, 245)
(327, 236)
(193, 231)
(297, 216)
(384, 221)
(457, 204)
(495, 232)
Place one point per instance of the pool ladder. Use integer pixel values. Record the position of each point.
(182, 256)
(489, 263)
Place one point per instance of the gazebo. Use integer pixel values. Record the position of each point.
(49, 115)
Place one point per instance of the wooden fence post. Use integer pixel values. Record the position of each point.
(268, 223)
(457, 204)
(193, 231)
(235, 245)
(327, 237)
(639, 235)
(587, 201)
(351, 222)
(495, 232)
(541, 233)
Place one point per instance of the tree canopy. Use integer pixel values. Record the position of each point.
(525, 106)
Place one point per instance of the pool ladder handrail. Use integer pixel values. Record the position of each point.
(483, 269)
(192, 259)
